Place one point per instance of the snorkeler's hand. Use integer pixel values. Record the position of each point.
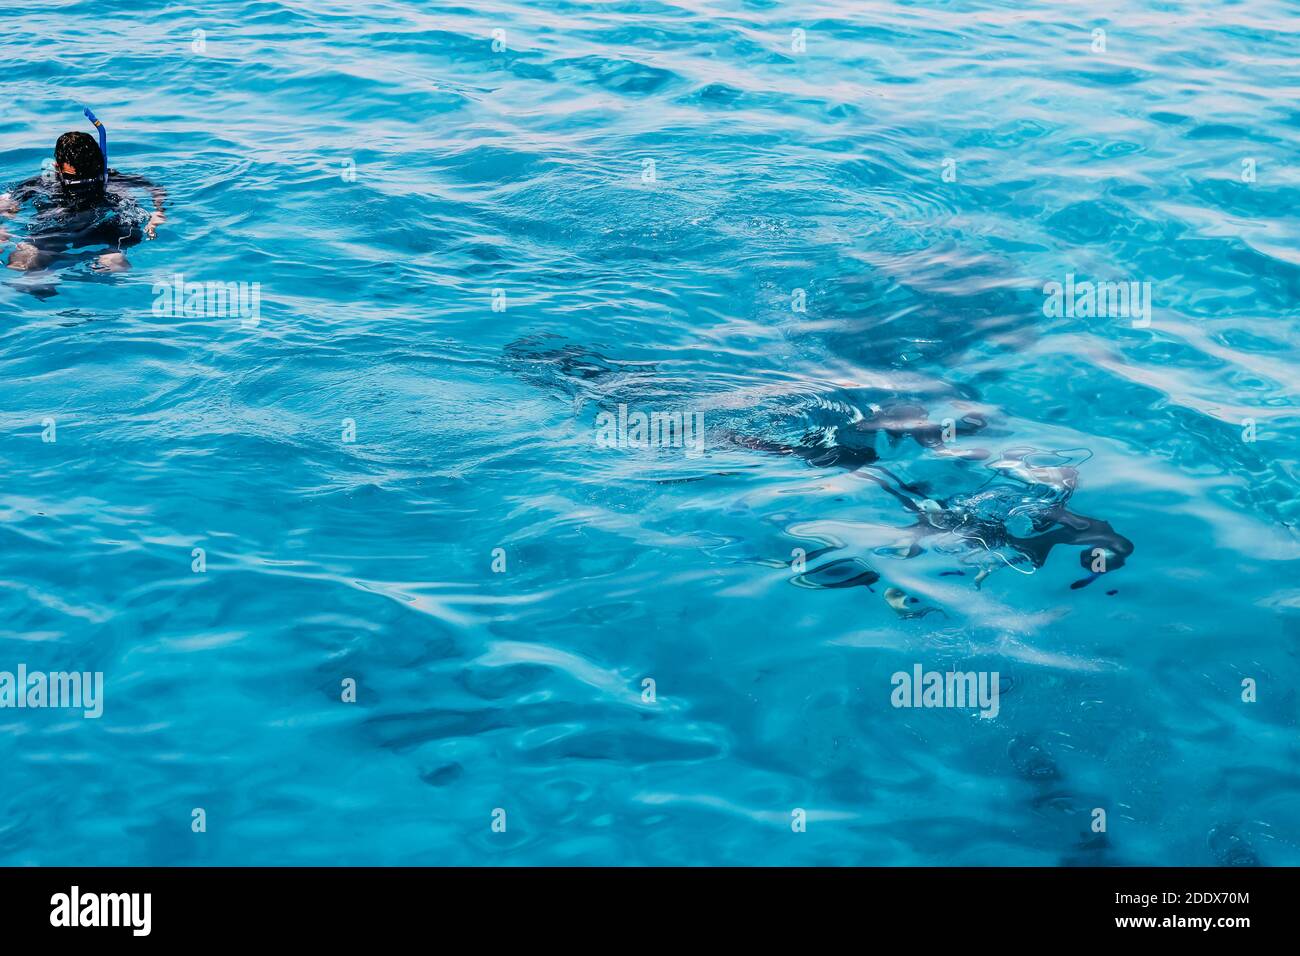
(151, 228)
(7, 205)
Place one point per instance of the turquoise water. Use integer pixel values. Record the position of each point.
(825, 244)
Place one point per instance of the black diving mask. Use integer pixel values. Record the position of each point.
(82, 190)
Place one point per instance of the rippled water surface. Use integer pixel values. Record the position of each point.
(826, 243)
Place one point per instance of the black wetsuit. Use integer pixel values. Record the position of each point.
(67, 219)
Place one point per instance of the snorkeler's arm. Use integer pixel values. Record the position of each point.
(12, 200)
(156, 192)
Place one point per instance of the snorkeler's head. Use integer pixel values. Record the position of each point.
(78, 158)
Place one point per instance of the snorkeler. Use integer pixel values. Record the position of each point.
(81, 204)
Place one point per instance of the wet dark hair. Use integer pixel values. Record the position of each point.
(81, 152)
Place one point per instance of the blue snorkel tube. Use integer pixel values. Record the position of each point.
(103, 139)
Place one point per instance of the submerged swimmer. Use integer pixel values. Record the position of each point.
(81, 204)
(1015, 518)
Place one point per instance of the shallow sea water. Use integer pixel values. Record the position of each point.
(469, 253)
